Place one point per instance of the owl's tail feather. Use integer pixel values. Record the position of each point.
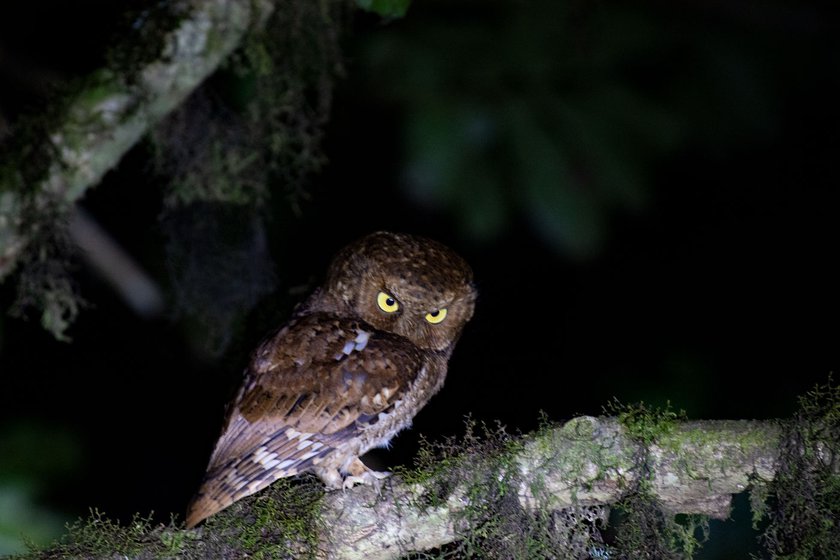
(283, 455)
(223, 487)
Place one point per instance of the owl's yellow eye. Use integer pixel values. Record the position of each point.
(436, 317)
(387, 303)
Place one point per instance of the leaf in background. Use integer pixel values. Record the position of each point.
(562, 208)
(434, 152)
(386, 8)
(31, 459)
(482, 205)
(612, 93)
(450, 165)
(23, 519)
(611, 134)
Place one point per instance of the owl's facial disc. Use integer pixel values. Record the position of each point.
(403, 284)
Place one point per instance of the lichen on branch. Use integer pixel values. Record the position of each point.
(289, 54)
(502, 496)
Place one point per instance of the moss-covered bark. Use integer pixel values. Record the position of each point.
(502, 492)
(216, 155)
(52, 158)
(111, 111)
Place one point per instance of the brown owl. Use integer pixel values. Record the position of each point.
(354, 364)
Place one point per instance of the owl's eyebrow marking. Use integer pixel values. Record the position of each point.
(358, 344)
(348, 347)
(361, 340)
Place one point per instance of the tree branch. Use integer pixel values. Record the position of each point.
(108, 116)
(692, 467)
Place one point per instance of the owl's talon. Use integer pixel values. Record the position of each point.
(379, 475)
(359, 473)
(351, 481)
(378, 478)
(369, 477)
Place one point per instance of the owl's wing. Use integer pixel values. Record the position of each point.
(312, 388)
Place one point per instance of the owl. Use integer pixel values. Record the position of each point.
(349, 370)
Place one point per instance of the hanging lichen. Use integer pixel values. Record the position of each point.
(45, 282)
(480, 467)
(257, 127)
(804, 496)
(644, 528)
(259, 138)
(478, 476)
(45, 285)
(251, 134)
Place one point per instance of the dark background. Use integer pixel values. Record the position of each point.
(685, 252)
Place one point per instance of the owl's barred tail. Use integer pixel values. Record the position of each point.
(222, 488)
(202, 506)
(286, 453)
(214, 495)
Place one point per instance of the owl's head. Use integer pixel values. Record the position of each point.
(405, 284)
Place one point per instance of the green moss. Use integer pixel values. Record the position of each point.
(482, 469)
(99, 537)
(257, 126)
(759, 494)
(745, 437)
(644, 423)
(804, 517)
(45, 282)
(147, 24)
(265, 137)
(726, 446)
(33, 219)
(245, 143)
(430, 462)
(645, 529)
(280, 522)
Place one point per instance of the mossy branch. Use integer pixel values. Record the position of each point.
(696, 468)
(114, 108)
(690, 467)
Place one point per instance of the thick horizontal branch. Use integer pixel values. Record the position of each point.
(694, 468)
(110, 115)
(691, 467)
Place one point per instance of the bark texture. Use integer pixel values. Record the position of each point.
(106, 118)
(690, 467)
(694, 468)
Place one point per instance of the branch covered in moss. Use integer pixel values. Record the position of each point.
(695, 469)
(552, 478)
(113, 109)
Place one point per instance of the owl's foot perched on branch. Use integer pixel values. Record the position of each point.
(356, 473)
(359, 473)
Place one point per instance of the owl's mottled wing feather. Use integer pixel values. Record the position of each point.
(314, 387)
